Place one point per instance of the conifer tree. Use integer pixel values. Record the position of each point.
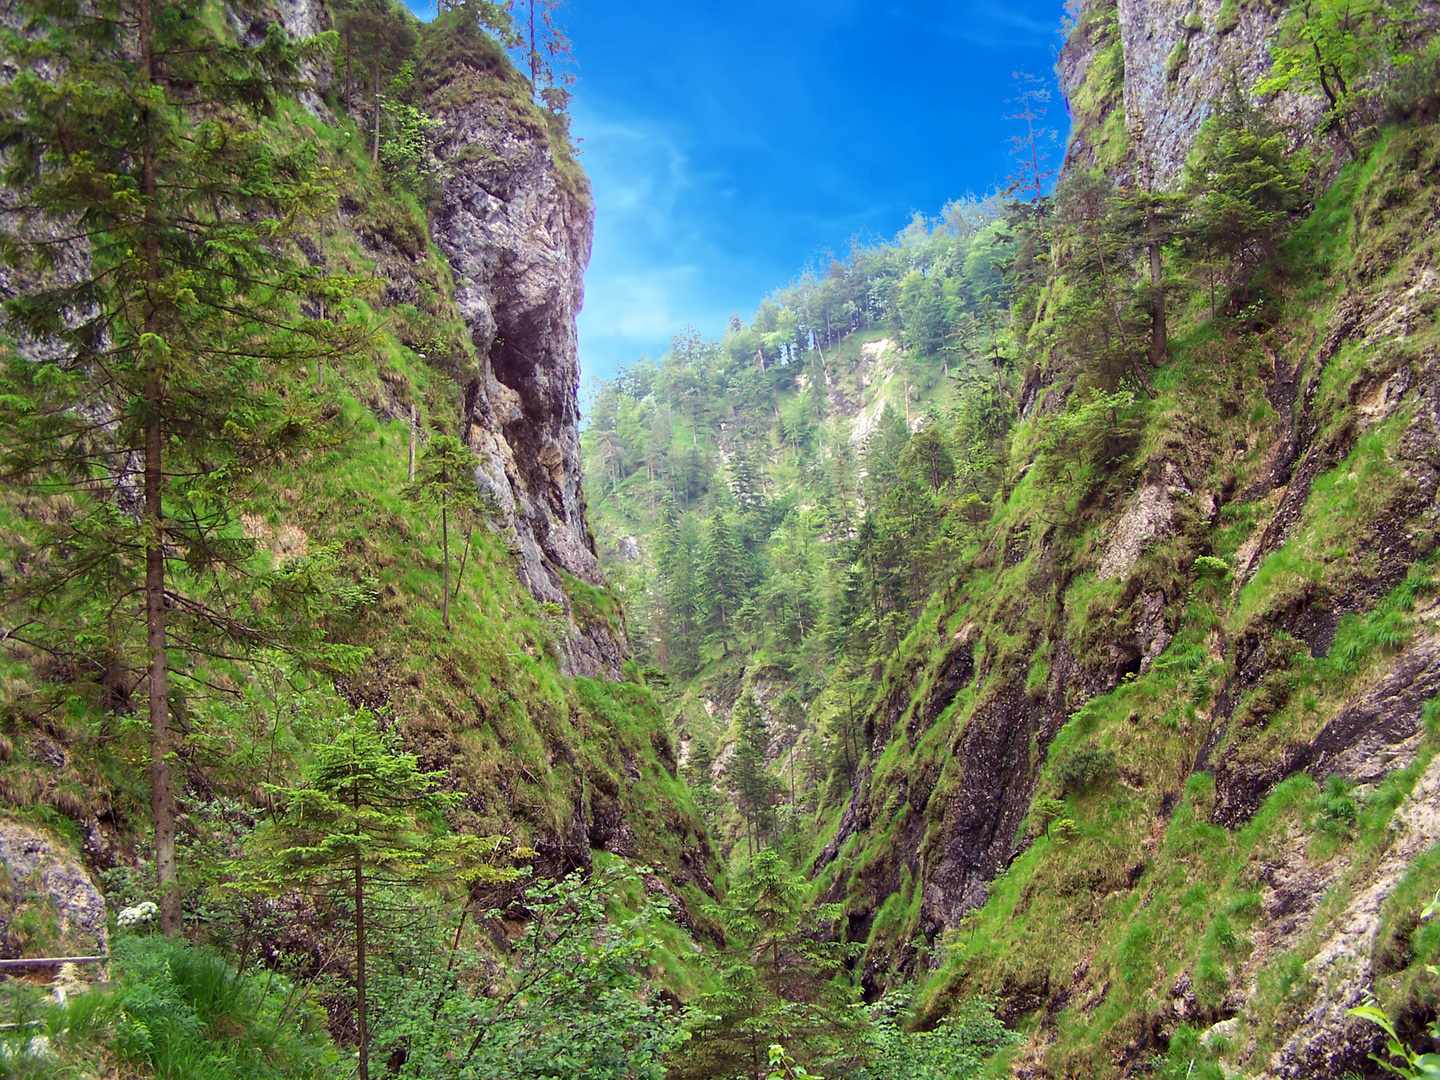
(698, 774)
(1246, 177)
(722, 575)
(755, 789)
(1033, 142)
(1155, 219)
(926, 455)
(382, 37)
(152, 233)
(777, 976)
(1097, 319)
(675, 562)
(548, 49)
(445, 480)
(356, 825)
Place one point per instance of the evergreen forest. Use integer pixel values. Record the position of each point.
(1011, 650)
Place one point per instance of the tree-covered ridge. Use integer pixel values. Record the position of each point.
(804, 485)
(255, 681)
(1049, 662)
(714, 444)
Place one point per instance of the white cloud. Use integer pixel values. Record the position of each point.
(645, 280)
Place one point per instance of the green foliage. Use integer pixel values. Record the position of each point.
(754, 788)
(183, 1012)
(407, 138)
(1246, 176)
(957, 1048)
(784, 1067)
(176, 1012)
(445, 480)
(1413, 94)
(1399, 1059)
(362, 806)
(1332, 46)
(360, 822)
(572, 997)
(163, 286)
(775, 979)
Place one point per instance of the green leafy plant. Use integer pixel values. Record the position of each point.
(1331, 46)
(1081, 768)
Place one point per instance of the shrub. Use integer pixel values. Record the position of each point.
(1082, 768)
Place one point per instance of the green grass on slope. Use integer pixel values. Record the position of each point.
(530, 748)
(1127, 890)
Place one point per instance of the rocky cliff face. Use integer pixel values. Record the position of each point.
(971, 733)
(515, 222)
(1141, 75)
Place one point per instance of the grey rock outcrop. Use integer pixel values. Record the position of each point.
(1178, 57)
(515, 221)
(517, 233)
(43, 879)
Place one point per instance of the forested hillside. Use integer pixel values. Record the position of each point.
(1016, 649)
(313, 695)
(1052, 585)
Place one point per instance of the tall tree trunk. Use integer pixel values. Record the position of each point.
(412, 444)
(1159, 334)
(534, 58)
(445, 545)
(464, 556)
(162, 786)
(362, 1020)
(375, 140)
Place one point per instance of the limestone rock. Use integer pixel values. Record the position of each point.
(49, 902)
(517, 232)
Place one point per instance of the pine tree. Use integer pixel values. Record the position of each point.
(1098, 319)
(927, 456)
(679, 589)
(1156, 219)
(445, 479)
(883, 447)
(698, 775)
(755, 789)
(382, 37)
(152, 228)
(356, 825)
(722, 575)
(548, 50)
(777, 976)
(1033, 143)
(1247, 178)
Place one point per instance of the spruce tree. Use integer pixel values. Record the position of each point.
(722, 574)
(156, 322)
(1246, 177)
(355, 825)
(679, 589)
(755, 789)
(445, 480)
(381, 37)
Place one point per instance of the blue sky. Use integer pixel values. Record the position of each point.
(731, 143)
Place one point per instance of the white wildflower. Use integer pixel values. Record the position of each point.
(136, 915)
